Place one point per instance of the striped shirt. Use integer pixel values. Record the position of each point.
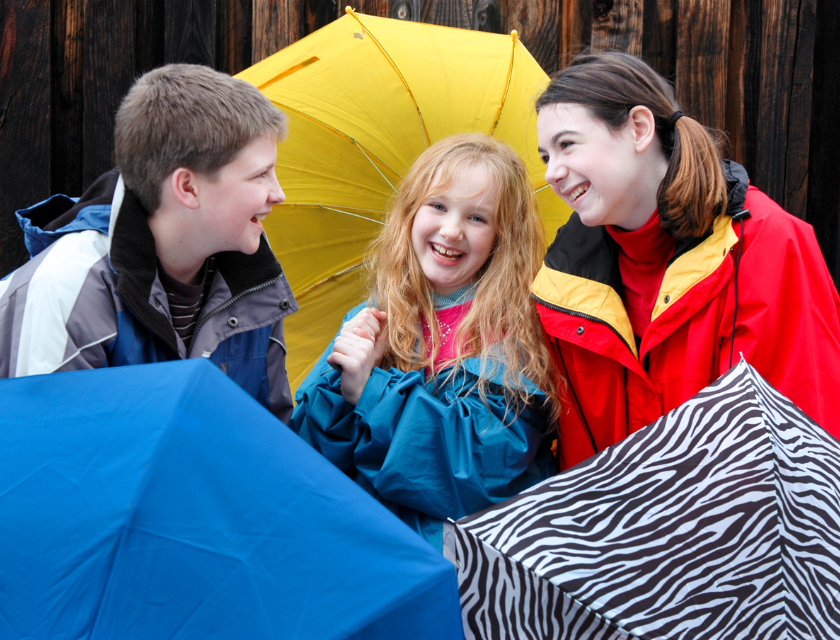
(186, 300)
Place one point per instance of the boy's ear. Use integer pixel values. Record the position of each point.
(641, 125)
(184, 184)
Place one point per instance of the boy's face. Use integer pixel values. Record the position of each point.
(242, 193)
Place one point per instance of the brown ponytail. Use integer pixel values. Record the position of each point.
(609, 84)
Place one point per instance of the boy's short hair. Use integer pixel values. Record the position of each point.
(187, 115)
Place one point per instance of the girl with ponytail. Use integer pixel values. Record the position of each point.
(672, 267)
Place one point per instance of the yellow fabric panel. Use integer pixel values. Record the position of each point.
(365, 96)
(695, 265)
(587, 297)
(317, 321)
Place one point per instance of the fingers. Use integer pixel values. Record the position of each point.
(370, 320)
(353, 354)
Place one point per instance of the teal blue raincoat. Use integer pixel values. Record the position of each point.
(427, 450)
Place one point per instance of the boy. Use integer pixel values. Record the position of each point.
(163, 257)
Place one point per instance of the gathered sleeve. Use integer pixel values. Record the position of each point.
(444, 451)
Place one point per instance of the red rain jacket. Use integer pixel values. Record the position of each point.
(787, 325)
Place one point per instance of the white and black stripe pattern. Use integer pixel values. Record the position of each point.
(719, 520)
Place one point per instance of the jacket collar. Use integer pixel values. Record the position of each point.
(580, 274)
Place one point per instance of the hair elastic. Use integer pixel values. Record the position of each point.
(672, 121)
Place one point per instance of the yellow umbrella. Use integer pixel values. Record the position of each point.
(365, 96)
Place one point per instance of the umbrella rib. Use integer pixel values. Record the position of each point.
(355, 215)
(513, 37)
(327, 279)
(426, 139)
(375, 167)
(343, 136)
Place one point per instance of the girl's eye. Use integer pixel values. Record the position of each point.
(438, 206)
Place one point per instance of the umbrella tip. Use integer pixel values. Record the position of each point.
(514, 33)
(348, 9)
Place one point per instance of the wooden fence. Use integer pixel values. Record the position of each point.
(766, 72)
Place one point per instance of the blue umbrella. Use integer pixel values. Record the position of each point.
(162, 501)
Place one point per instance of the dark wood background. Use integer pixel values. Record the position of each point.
(766, 72)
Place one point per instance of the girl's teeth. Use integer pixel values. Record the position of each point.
(447, 253)
(577, 193)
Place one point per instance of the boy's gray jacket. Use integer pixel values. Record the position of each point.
(91, 297)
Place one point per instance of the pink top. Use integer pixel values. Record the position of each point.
(449, 320)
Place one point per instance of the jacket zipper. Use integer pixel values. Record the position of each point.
(577, 314)
(227, 304)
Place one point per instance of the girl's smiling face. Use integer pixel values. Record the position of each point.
(454, 230)
(597, 171)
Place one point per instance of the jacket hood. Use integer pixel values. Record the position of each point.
(45, 222)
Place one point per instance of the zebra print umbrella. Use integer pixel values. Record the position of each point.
(719, 520)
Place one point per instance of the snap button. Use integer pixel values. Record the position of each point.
(232, 322)
(157, 302)
(580, 331)
(667, 299)
(284, 304)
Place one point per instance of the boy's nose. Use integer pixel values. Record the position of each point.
(275, 194)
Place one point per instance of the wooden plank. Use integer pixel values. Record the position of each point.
(67, 99)
(489, 16)
(107, 74)
(190, 32)
(537, 22)
(617, 25)
(702, 48)
(276, 24)
(780, 31)
(405, 10)
(575, 28)
(319, 13)
(24, 118)
(799, 115)
(824, 187)
(370, 7)
(742, 89)
(233, 45)
(659, 36)
(451, 13)
(149, 34)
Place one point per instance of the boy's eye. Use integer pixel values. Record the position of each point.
(565, 144)
(544, 158)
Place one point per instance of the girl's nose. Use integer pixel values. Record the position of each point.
(555, 171)
(450, 228)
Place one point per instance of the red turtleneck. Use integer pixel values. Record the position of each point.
(642, 259)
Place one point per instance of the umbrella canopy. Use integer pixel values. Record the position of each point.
(162, 501)
(365, 96)
(719, 520)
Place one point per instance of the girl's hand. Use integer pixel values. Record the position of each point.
(353, 353)
(371, 323)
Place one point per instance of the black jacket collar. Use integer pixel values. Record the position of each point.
(591, 253)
